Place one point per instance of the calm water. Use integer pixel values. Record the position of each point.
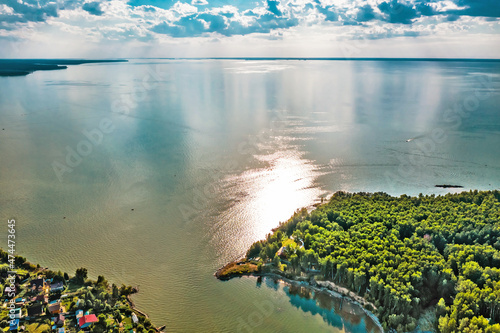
(202, 158)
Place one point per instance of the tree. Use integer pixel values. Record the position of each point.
(116, 291)
(277, 261)
(81, 275)
(102, 282)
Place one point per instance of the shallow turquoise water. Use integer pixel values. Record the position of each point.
(211, 155)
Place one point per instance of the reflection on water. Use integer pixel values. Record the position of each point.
(215, 156)
(336, 312)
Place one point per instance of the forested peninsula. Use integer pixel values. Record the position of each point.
(427, 262)
(23, 67)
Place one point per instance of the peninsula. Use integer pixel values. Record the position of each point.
(38, 300)
(430, 263)
(22, 67)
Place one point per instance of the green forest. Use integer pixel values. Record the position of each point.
(406, 255)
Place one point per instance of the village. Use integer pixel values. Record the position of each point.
(40, 300)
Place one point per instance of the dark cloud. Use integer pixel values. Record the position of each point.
(329, 12)
(93, 8)
(395, 12)
(365, 14)
(425, 9)
(8, 18)
(452, 17)
(216, 22)
(486, 8)
(31, 11)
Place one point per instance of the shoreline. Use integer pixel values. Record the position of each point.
(62, 289)
(142, 313)
(327, 287)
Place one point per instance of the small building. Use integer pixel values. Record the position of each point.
(37, 284)
(282, 252)
(59, 320)
(20, 301)
(135, 320)
(61, 330)
(79, 314)
(55, 287)
(87, 320)
(55, 308)
(35, 310)
(44, 298)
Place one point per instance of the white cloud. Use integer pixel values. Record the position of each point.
(310, 35)
(184, 8)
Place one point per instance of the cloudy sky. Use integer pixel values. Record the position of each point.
(245, 28)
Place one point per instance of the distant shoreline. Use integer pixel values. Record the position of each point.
(23, 67)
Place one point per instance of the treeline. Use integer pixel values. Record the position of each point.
(403, 254)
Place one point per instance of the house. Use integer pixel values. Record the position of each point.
(282, 252)
(79, 314)
(55, 308)
(87, 320)
(44, 298)
(59, 320)
(61, 330)
(35, 310)
(55, 287)
(135, 320)
(37, 284)
(20, 301)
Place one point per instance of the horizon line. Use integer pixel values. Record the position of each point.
(277, 58)
(325, 58)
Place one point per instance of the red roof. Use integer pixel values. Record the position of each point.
(91, 318)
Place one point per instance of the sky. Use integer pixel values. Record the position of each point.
(246, 28)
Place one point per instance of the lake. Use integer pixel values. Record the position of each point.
(155, 173)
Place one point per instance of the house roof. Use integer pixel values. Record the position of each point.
(60, 319)
(54, 306)
(91, 318)
(35, 310)
(37, 283)
(57, 285)
(281, 251)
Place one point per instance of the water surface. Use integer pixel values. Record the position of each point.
(202, 158)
